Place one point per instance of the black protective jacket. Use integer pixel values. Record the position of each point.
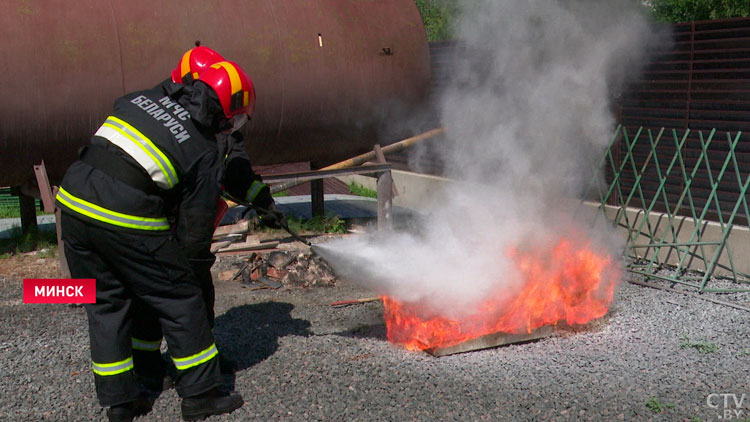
(165, 135)
(178, 191)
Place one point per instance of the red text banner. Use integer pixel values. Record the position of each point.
(59, 290)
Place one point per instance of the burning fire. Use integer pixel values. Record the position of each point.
(568, 283)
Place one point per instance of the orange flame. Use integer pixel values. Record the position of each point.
(569, 283)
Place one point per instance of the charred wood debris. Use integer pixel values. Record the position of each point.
(258, 263)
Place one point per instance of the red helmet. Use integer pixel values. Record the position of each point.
(193, 63)
(233, 87)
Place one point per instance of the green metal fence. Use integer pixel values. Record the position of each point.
(672, 223)
(6, 199)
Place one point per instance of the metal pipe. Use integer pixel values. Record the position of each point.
(388, 149)
(363, 158)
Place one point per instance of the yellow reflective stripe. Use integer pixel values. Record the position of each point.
(119, 136)
(234, 77)
(156, 150)
(196, 359)
(148, 346)
(145, 139)
(254, 190)
(108, 369)
(245, 98)
(185, 64)
(96, 212)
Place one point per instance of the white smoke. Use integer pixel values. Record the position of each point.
(528, 112)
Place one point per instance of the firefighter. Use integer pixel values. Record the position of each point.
(237, 177)
(154, 155)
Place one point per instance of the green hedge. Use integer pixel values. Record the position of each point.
(438, 17)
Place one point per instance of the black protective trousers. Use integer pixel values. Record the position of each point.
(147, 333)
(137, 273)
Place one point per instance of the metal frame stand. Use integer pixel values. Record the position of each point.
(385, 183)
(47, 194)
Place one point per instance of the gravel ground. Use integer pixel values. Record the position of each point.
(300, 360)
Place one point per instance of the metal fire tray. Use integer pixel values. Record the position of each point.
(491, 340)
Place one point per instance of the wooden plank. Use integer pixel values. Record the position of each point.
(264, 247)
(216, 246)
(249, 246)
(491, 340)
(239, 228)
(355, 301)
(223, 242)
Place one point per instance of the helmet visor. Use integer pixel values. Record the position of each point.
(238, 121)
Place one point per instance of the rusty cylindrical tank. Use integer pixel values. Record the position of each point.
(329, 73)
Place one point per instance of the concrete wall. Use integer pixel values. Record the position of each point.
(738, 242)
(415, 190)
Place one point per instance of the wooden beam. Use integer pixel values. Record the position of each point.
(251, 244)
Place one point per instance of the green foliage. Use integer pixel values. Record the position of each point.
(12, 211)
(657, 406)
(319, 224)
(9, 211)
(701, 346)
(693, 10)
(282, 193)
(359, 190)
(439, 18)
(9, 205)
(33, 240)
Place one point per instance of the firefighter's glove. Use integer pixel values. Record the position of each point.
(259, 195)
(271, 217)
